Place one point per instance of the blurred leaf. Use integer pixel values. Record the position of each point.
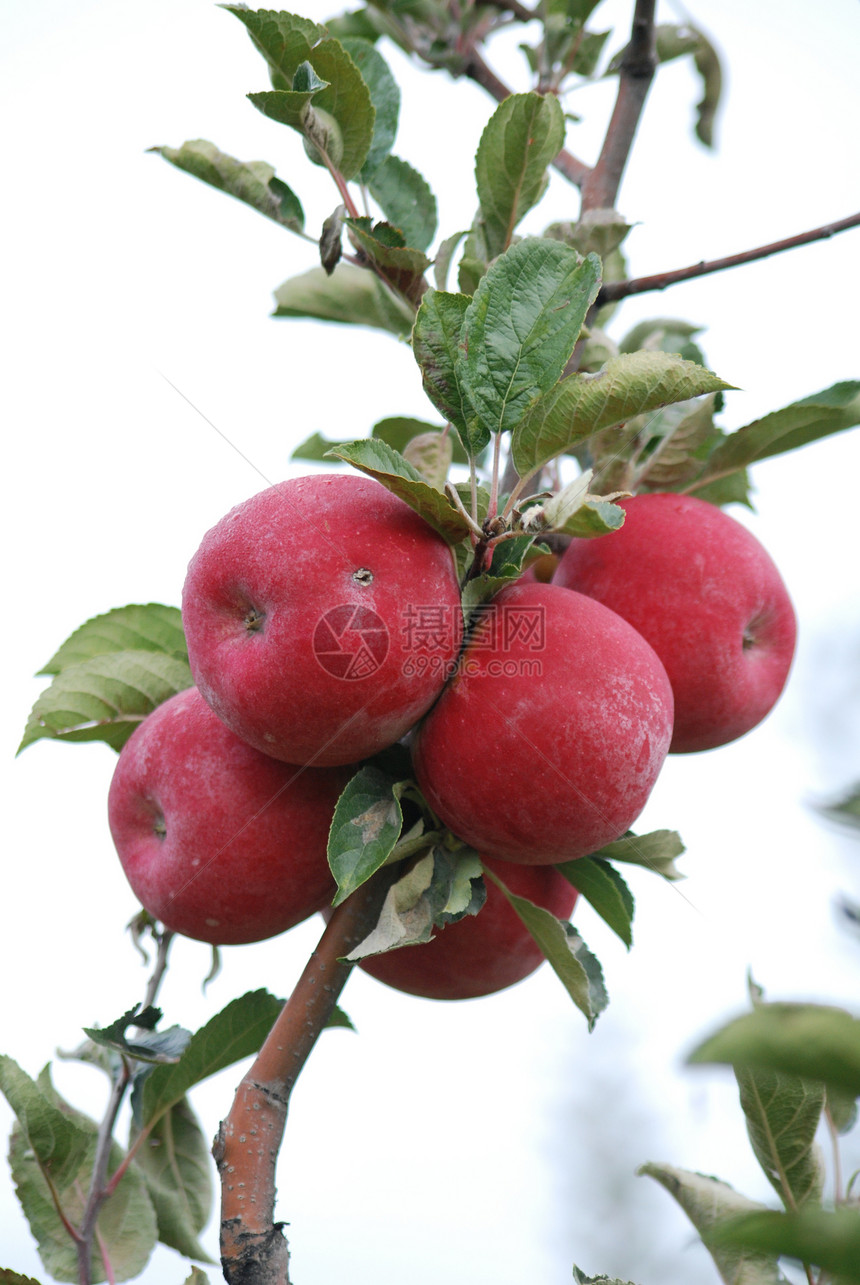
(252, 182)
(566, 952)
(59, 1145)
(384, 95)
(148, 1045)
(444, 255)
(824, 413)
(580, 405)
(379, 460)
(406, 201)
(175, 1163)
(656, 851)
(845, 809)
(521, 327)
(676, 458)
(599, 231)
(149, 627)
(708, 66)
(521, 139)
(829, 1239)
(436, 344)
(808, 1040)
(431, 454)
(707, 1202)
(603, 888)
(126, 1224)
(366, 825)
(236, 1032)
(104, 699)
(782, 1114)
(579, 1278)
(352, 296)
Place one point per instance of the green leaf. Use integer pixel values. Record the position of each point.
(656, 851)
(436, 344)
(339, 1019)
(175, 1163)
(825, 1238)
(384, 95)
(812, 1041)
(686, 431)
(440, 888)
(104, 699)
(352, 296)
(8, 1277)
(377, 459)
(148, 1045)
(632, 384)
(197, 1277)
(603, 888)
(782, 1114)
(126, 1224)
(284, 39)
(566, 952)
(523, 136)
(402, 267)
(706, 1202)
(830, 411)
(580, 1278)
(846, 809)
(522, 325)
(444, 255)
(708, 66)
(150, 627)
(399, 430)
(252, 182)
(431, 454)
(509, 559)
(366, 825)
(236, 1032)
(59, 1145)
(575, 511)
(406, 201)
(345, 97)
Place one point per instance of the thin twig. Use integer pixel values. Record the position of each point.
(659, 281)
(253, 1247)
(600, 186)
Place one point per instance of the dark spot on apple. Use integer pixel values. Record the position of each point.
(363, 576)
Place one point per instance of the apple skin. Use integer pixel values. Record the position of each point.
(542, 767)
(219, 842)
(482, 953)
(255, 603)
(709, 600)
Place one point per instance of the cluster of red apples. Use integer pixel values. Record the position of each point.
(324, 625)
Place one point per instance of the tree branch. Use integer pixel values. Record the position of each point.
(253, 1248)
(659, 281)
(639, 62)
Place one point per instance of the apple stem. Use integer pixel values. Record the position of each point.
(253, 1246)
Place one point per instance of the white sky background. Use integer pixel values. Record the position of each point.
(446, 1142)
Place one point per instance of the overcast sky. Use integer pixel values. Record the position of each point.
(454, 1142)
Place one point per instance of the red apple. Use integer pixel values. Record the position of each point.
(218, 841)
(710, 601)
(482, 953)
(322, 618)
(549, 738)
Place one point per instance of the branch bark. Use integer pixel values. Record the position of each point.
(600, 186)
(659, 281)
(253, 1247)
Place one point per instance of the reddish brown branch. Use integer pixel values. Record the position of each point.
(600, 186)
(659, 281)
(253, 1247)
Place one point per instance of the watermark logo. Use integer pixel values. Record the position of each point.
(351, 642)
